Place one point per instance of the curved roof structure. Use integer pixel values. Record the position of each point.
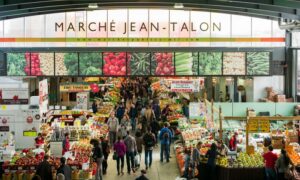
(270, 9)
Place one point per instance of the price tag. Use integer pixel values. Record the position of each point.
(20, 168)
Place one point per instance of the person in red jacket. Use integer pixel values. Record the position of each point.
(66, 144)
(233, 142)
(270, 160)
(39, 141)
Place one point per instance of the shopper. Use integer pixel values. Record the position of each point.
(233, 142)
(139, 145)
(44, 169)
(120, 149)
(120, 111)
(165, 112)
(164, 137)
(64, 169)
(131, 150)
(149, 142)
(113, 126)
(142, 176)
(149, 115)
(211, 162)
(226, 138)
(60, 176)
(97, 155)
(282, 165)
(155, 127)
(187, 164)
(106, 150)
(39, 141)
(133, 114)
(36, 177)
(270, 160)
(66, 144)
(196, 158)
(94, 107)
(156, 109)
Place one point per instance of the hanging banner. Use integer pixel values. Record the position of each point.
(14, 96)
(185, 86)
(43, 96)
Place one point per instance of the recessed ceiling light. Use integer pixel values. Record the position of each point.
(93, 5)
(178, 6)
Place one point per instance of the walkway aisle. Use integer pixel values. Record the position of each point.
(158, 170)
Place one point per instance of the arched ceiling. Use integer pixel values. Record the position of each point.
(271, 9)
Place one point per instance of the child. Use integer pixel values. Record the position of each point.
(187, 164)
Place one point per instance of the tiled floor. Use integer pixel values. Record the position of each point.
(158, 170)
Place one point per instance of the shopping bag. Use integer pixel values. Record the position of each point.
(137, 160)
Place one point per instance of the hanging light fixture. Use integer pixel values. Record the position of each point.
(93, 5)
(178, 6)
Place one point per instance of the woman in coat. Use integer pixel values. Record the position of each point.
(120, 149)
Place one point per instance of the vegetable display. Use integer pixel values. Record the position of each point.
(210, 63)
(46, 63)
(66, 64)
(186, 63)
(138, 64)
(16, 64)
(162, 63)
(114, 63)
(258, 63)
(90, 64)
(234, 63)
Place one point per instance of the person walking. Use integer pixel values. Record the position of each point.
(97, 156)
(120, 149)
(139, 145)
(149, 142)
(155, 127)
(149, 115)
(270, 160)
(282, 165)
(94, 107)
(120, 111)
(164, 137)
(211, 162)
(106, 150)
(113, 126)
(142, 176)
(131, 150)
(44, 169)
(64, 169)
(133, 114)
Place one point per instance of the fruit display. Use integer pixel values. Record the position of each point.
(192, 134)
(114, 63)
(258, 63)
(234, 63)
(162, 63)
(90, 64)
(16, 64)
(244, 160)
(186, 63)
(210, 63)
(66, 64)
(138, 64)
(293, 155)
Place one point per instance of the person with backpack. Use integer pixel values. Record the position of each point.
(97, 155)
(164, 137)
(149, 142)
(155, 127)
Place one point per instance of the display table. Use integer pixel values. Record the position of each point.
(233, 173)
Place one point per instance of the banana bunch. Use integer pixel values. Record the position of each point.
(184, 63)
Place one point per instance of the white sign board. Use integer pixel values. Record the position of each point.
(14, 96)
(185, 86)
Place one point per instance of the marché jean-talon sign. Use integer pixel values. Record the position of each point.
(136, 27)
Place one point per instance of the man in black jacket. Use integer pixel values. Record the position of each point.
(44, 169)
(64, 169)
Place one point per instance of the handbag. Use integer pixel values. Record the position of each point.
(115, 156)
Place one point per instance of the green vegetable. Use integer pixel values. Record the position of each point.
(15, 64)
(186, 63)
(210, 63)
(71, 63)
(258, 63)
(90, 64)
(138, 64)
